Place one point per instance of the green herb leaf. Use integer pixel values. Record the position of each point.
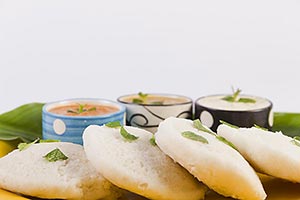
(55, 155)
(222, 139)
(191, 135)
(259, 127)
(23, 146)
(198, 125)
(127, 136)
(72, 111)
(24, 122)
(92, 109)
(296, 138)
(246, 100)
(142, 95)
(235, 98)
(137, 101)
(80, 109)
(296, 141)
(49, 141)
(230, 125)
(115, 124)
(152, 141)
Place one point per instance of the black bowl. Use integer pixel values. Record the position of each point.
(211, 116)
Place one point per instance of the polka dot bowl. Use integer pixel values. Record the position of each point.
(70, 128)
(210, 112)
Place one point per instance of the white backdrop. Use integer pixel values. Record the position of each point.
(58, 49)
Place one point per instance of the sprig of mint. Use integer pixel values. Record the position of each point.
(193, 136)
(81, 109)
(115, 124)
(127, 136)
(55, 155)
(235, 98)
(228, 124)
(198, 125)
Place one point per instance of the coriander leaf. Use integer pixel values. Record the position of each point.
(127, 136)
(230, 125)
(222, 139)
(152, 141)
(114, 124)
(48, 141)
(55, 155)
(137, 101)
(191, 135)
(198, 125)
(23, 146)
(261, 128)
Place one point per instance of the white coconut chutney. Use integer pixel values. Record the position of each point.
(216, 102)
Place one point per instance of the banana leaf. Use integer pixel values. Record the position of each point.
(288, 123)
(24, 123)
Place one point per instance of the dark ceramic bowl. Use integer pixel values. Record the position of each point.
(211, 109)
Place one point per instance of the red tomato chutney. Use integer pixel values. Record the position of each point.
(84, 109)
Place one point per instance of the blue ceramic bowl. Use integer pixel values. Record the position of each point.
(70, 128)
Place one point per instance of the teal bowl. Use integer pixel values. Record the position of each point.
(70, 128)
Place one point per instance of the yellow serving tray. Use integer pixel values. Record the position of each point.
(276, 189)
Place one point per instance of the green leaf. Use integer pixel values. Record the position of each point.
(228, 124)
(246, 100)
(142, 95)
(92, 109)
(152, 141)
(192, 136)
(198, 125)
(55, 155)
(296, 141)
(288, 123)
(24, 122)
(23, 146)
(127, 136)
(137, 101)
(259, 127)
(235, 98)
(115, 124)
(222, 139)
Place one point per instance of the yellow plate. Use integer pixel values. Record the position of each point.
(276, 189)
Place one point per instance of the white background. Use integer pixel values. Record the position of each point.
(58, 49)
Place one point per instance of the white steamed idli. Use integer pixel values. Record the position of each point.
(138, 166)
(216, 164)
(29, 173)
(268, 152)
